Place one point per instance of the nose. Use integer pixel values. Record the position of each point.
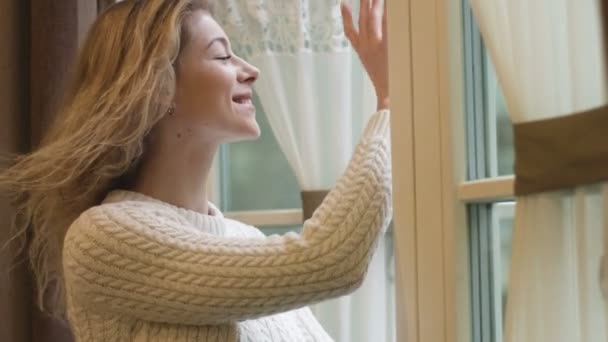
(248, 73)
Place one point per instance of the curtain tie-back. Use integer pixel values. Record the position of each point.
(311, 200)
(562, 152)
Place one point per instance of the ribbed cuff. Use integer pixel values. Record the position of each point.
(378, 125)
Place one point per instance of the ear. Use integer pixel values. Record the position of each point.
(165, 97)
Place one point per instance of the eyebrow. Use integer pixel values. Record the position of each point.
(218, 39)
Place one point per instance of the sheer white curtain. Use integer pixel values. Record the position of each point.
(550, 62)
(317, 99)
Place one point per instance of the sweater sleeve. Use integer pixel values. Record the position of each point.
(125, 262)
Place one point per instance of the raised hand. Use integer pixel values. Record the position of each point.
(370, 41)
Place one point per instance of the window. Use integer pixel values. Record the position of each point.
(489, 141)
(453, 178)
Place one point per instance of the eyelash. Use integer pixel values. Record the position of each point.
(224, 58)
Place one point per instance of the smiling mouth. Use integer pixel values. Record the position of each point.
(242, 99)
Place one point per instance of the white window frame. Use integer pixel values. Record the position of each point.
(429, 171)
(431, 194)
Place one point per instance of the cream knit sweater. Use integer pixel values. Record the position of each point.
(139, 269)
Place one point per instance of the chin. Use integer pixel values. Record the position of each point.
(254, 130)
(248, 137)
(254, 134)
(247, 133)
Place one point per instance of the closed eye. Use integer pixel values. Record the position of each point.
(224, 58)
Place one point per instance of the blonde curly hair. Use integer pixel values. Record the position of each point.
(122, 85)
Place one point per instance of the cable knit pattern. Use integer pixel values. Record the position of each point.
(139, 269)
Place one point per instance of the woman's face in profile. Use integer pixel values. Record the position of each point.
(214, 87)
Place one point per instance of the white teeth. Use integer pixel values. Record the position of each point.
(242, 99)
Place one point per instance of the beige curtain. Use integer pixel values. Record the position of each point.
(551, 65)
(38, 42)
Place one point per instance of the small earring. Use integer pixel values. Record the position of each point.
(171, 111)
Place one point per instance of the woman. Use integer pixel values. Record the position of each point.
(123, 232)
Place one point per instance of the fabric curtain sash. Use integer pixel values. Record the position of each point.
(562, 152)
(311, 200)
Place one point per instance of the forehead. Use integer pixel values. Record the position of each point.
(202, 29)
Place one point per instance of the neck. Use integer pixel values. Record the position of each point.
(177, 174)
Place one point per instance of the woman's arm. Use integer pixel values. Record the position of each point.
(129, 261)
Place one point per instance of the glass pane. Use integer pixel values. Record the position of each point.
(256, 174)
(490, 151)
(502, 235)
(500, 130)
(491, 230)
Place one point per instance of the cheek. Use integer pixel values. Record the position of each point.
(204, 94)
(211, 100)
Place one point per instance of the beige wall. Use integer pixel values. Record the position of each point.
(14, 123)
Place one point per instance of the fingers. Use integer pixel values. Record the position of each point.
(349, 26)
(364, 17)
(372, 22)
(377, 18)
